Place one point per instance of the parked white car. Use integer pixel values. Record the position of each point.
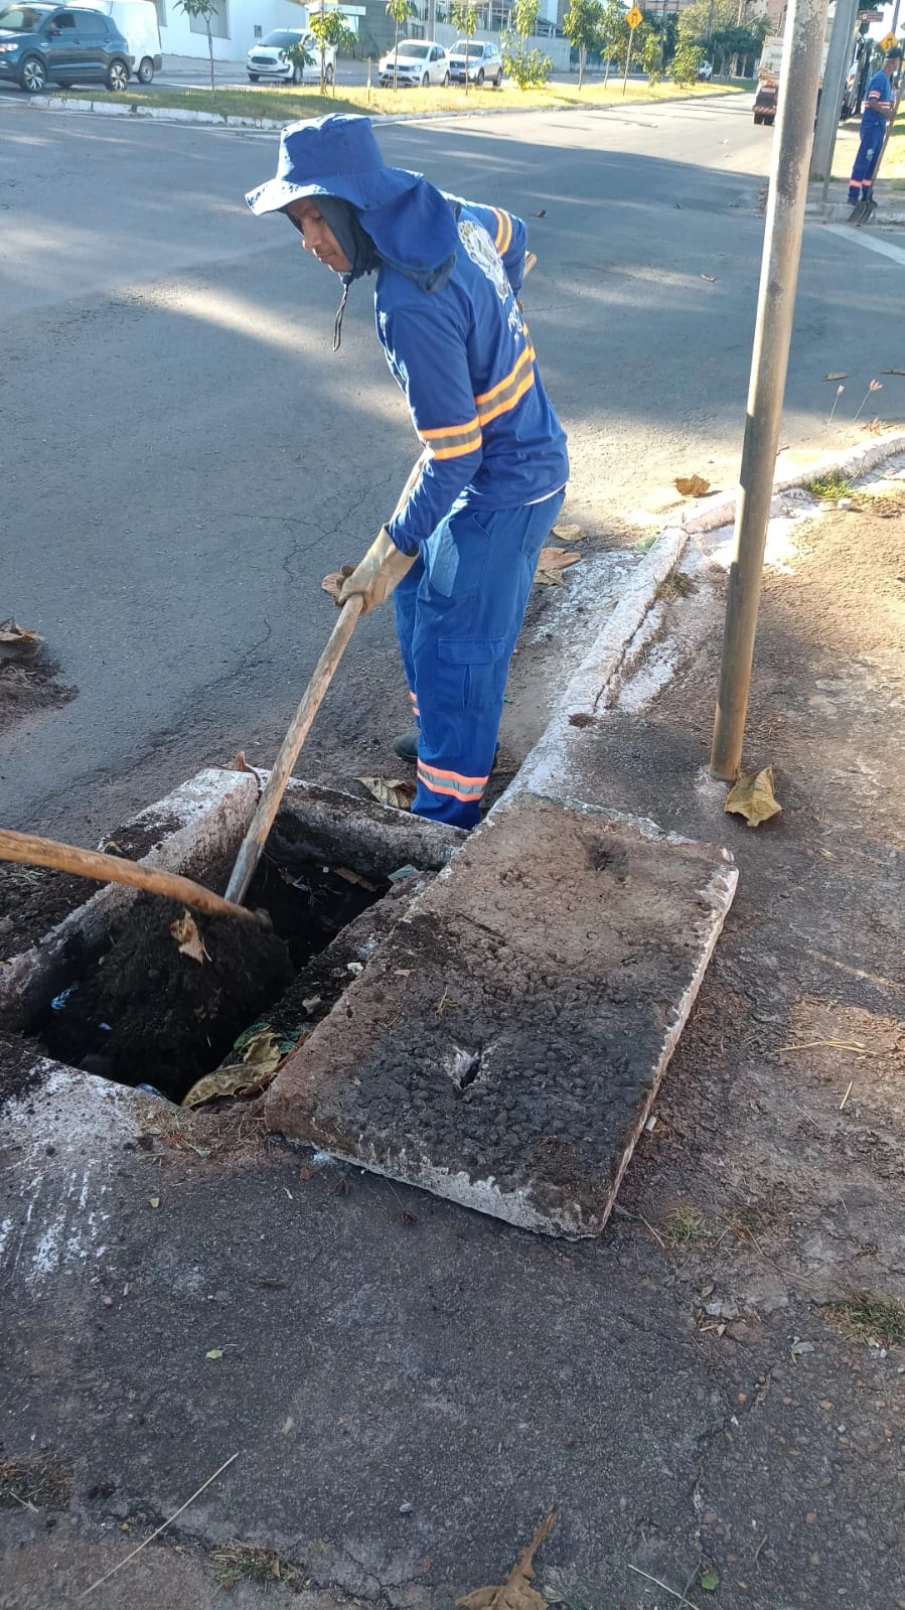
(137, 22)
(418, 61)
(485, 64)
(268, 62)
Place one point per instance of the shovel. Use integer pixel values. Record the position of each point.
(33, 851)
(252, 845)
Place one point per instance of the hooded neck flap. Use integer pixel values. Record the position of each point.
(415, 234)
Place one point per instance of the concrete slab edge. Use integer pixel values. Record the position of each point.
(597, 679)
(719, 893)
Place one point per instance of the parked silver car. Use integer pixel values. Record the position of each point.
(484, 62)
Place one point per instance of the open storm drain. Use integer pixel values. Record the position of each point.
(166, 1002)
(198, 1007)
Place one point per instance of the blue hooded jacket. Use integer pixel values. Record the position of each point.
(448, 319)
(464, 358)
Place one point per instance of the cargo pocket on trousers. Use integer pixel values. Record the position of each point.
(482, 661)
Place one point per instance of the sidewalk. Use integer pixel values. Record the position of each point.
(712, 1392)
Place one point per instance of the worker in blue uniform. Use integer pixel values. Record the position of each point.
(879, 108)
(461, 550)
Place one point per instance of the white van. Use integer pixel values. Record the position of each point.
(137, 22)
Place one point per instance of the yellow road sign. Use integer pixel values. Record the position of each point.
(635, 18)
(887, 42)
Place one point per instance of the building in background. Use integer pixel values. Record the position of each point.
(238, 23)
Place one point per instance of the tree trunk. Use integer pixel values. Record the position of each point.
(606, 76)
(580, 67)
(467, 41)
(396, 56)
(210, 48)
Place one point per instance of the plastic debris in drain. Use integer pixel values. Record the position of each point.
(402, 872)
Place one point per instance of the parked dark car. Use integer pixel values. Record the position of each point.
(45, 43)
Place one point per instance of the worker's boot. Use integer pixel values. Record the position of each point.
(407, 749)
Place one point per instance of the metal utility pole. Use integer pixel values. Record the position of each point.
(837, 65)
(802, 50)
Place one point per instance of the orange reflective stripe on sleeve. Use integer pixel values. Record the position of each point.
(453, 441)
(507, 393)
(503, 230)
(451, 783)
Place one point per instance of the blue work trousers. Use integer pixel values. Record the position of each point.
(862, 178)
(458, 614)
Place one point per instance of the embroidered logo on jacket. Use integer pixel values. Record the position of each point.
(484, 254)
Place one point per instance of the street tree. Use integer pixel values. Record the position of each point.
(300, 56)
(529, 68)
(400, 11)
(329, 28)
(613, 33)
(205, 9)
(582, 27)
(465, 20)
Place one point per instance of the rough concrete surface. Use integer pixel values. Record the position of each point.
(504, 1046)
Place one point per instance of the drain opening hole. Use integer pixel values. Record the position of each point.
(142, 1013)
(467, 1066)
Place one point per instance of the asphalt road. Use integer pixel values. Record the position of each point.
(191, 459)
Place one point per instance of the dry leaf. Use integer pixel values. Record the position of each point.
(214, 1352)
(398, 791)
(844, 375)
(711, 278)
(752, 797)
(355, 877)
(333, 584)
(17, 640)
(541, 214)
(185, 932)
(691, 486)
(550, 564)
(887, 372)
(515, 1593)
(154, 1201)
(262, 1056)
(567, 533)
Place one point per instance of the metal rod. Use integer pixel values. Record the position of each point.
(802, 49)
(837, 64)
(628, 60)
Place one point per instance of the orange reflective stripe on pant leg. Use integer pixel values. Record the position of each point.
(451, 782)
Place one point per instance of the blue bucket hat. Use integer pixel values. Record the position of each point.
(411, 223)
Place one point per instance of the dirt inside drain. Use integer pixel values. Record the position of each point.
(144, 1012)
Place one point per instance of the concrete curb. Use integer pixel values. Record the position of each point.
(839, 212)
(178, 114)
(853, 462)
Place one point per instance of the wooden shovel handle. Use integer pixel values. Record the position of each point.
(269, 803)
(34, 851)
(253, 843)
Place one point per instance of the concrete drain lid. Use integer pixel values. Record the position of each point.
(571, 943)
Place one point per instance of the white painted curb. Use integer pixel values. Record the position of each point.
(596, 683)
(179, 114)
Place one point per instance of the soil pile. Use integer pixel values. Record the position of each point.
(151, 1014)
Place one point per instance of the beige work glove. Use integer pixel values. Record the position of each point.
(375, 577)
